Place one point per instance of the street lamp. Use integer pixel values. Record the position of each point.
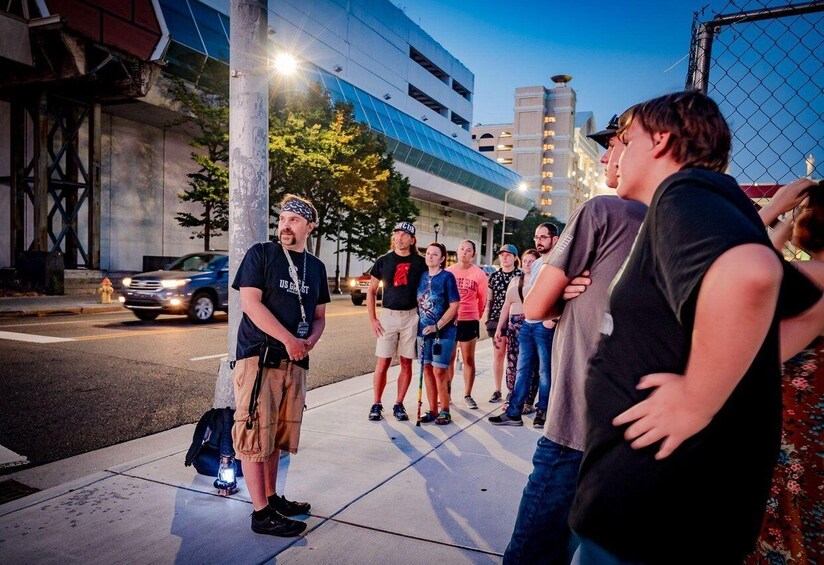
(436, 228)
(521, 188)
(285, 64)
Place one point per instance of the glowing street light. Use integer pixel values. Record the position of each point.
(522, 187)
(285, 64)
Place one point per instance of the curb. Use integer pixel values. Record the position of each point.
(43, 312)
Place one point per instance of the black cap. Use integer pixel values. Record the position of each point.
(602, 137)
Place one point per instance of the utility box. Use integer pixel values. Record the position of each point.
(43, 271)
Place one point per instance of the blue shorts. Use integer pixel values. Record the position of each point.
(443, 358)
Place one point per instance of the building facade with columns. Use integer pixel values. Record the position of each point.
(93, 169)
(547, 145)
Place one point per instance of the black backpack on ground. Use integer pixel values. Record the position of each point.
(212, 438)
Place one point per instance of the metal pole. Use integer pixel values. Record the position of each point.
(248, 158)
(503, 222)
(337, 289)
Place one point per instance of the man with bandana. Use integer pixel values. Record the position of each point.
(283, 293)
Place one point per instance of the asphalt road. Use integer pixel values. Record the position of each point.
(119, 379)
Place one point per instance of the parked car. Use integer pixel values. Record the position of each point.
(359, 287)
(489, 269)
(195, 285)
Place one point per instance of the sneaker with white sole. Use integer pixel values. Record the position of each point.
(528, 409)
(470, 402)
(496, 396)
(375, 412)
(505, 420)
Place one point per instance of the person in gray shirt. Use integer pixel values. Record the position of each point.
(598, 239)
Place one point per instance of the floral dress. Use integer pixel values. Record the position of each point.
(791, 532)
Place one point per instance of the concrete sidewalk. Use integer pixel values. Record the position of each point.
(380, 491)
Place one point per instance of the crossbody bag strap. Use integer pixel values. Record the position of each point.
(253, 400)
(521, 286)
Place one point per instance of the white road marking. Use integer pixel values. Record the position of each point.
(9, 458)
(31, 338)
(223, 355)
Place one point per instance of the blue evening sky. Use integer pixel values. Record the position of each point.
(618, 53)
(766, 77)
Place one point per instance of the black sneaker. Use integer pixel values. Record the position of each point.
(288, 507)
(400, 412)
(274, 524)
(505, 420)
(375, 412)
(540, 419)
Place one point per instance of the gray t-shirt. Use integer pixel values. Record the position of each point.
(598, 237)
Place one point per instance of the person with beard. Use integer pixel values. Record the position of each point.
(534, 347)
(400, 272)
(283, 293)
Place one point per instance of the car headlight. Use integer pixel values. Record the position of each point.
(173, 283)
(127, 282)
(353, 283)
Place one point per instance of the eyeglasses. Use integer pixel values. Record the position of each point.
(537, 237)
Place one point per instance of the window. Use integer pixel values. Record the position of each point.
(487, 136)
(456, 119)
(548, 160)
(506, 134)
(549, 119)
(503, 147)
(546, 174)
(546, 201)
(427, 100)
(505, 160)
(419, 58)
(486, 148)
(549, 132)
(548, 147)
(461, 89)
(473, 136)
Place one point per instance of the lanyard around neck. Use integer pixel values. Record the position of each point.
(293, 272)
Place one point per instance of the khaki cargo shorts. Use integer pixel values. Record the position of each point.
(400, 333)
(280, 409)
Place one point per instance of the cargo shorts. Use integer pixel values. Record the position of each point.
(279, 413)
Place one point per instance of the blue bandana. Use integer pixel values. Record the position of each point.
(299, 208)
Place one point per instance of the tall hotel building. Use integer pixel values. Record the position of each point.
(547, 145)
(90, 166)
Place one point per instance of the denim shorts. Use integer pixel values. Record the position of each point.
(442, 359)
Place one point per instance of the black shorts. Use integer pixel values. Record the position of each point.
(468, 330)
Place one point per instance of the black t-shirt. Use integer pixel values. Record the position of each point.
(498, 283)
(400, 276)
(265, 267)
(703, 503)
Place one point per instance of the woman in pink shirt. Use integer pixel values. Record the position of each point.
(472, 286)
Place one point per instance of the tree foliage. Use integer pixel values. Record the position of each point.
(523, 231)
(318, 151)
(209, 185)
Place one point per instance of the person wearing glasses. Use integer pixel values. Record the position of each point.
(534, 346)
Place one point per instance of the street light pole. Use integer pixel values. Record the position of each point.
(436, 228)
(337, 289)
(522, 188)
(248, 166)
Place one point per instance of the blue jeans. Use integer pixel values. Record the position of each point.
(534, 348)
(541, 533)
(590, 553)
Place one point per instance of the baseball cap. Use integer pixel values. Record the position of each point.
(406, 227)
(602, 137)
(508, 248)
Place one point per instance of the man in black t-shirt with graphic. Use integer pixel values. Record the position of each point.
(400, 272)
(283, 293)
(683, 394)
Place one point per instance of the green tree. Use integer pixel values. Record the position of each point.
(209, 185)
(318, 151)
(523, 231)
(367, 233)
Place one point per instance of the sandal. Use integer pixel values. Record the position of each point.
(443, 418)
(428, 417)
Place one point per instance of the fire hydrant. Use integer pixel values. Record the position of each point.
(105, 290)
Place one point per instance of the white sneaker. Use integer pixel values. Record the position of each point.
(470, 403)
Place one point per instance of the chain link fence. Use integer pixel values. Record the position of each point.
(762, 61)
